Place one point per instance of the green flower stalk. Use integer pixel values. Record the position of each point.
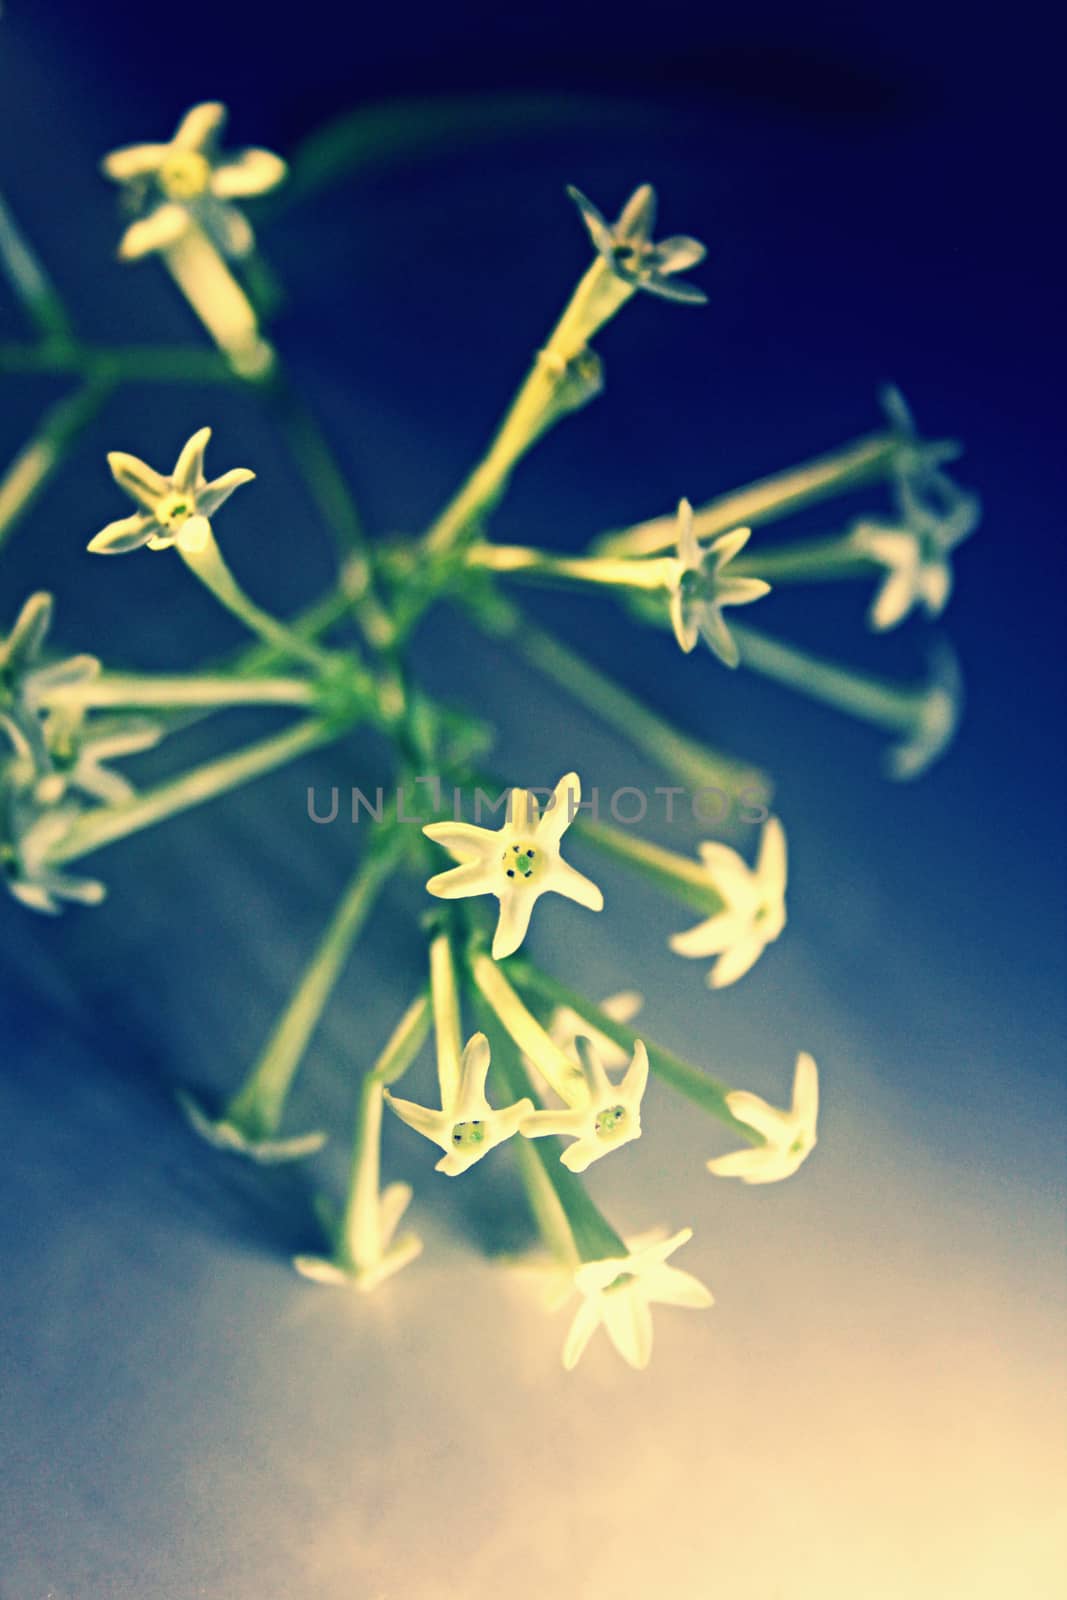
(365, 1251)
(566, 374)
(250, 1121)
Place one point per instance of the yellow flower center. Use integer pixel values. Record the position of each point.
(610, 1122)
(184, 175)
(465, 1134)
(521, 862)
(174, 510)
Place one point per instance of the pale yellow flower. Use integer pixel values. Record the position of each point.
(705, 585)
(517, 863)
(610, 1116)
(467, 1128)
(618, 1293)
(175, 509)
(788, 1136)
(754, 912)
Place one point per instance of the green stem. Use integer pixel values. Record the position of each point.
(592, 1237)
(31, 282)
(221, 304)
(519, 561)
(815, 560)
(329, 489)
(209, 565)
(527, 1033)
(685, 758)
(885, 705)
(673, 874)
(258, 1106)
(860, 462)
(39, 458)
(131, 689)
(106, 824)
(553, 387)
(358, 1242)
(448, 1033)
(120, 363)
(704, 1091)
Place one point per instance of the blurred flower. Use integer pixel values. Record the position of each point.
(80, 749)
(222, 1134)
(610, 1118)
(935, 716)
(618, 1293)
(191, 185)
(917, 462)
(175, 510)
(704, 586)
(915, 552)
(627, 247)
(30, 829)
(517, 863)
(754, 914)
(789, 1136)
(467, 1128)
(565, 1026)
(388, 1256)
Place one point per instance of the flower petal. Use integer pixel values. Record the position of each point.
(566, 880)
(137, 478)
(189, 467)
(472, 878)
(28, 633)
(516, 908)
(130, 533)
(561, 809)
(582, 1329)
(677, 253)
(708, 938)
(473, 1072)
(667, 289)
(598, 229)
(806, 1091)
(735, 962)
(160, 229)
(463, 840)
(200, 125)
(717, 636)
(229, 229)
(669, 1286)
(638, 216)
(432, 1125)
(772, 863)
(246, 173)
(216, 493)
(628, 1322)
(133, 161)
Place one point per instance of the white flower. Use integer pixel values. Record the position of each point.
(704, 586)
(754, 911)
(468, 1127)
(917, 462)
(627, 248)
(565, 1026)
(618, 1293)
(191, 185)
(388, 1256)
(175, 509)
(935, 716)
(610, 1117)
(223, 1134)
(789, 1136)
(518, 863)
(915, 554)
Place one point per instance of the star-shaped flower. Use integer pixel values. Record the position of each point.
(468, 1127)
(189, 184)
(915, 551)
(754, 913)
(388, 1256)
(25, 678)
(917, 462)
(618, 1292)
(935, 716)
(610, 1117)
(704, 586)
(81, 749)
(628, 250)
(518, 863)
(174, 509)
(223, 1134)
(788, 1136)
(29, 830)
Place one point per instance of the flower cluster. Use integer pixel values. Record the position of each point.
(525, 1065)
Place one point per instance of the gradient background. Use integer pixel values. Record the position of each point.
(875, 1406)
